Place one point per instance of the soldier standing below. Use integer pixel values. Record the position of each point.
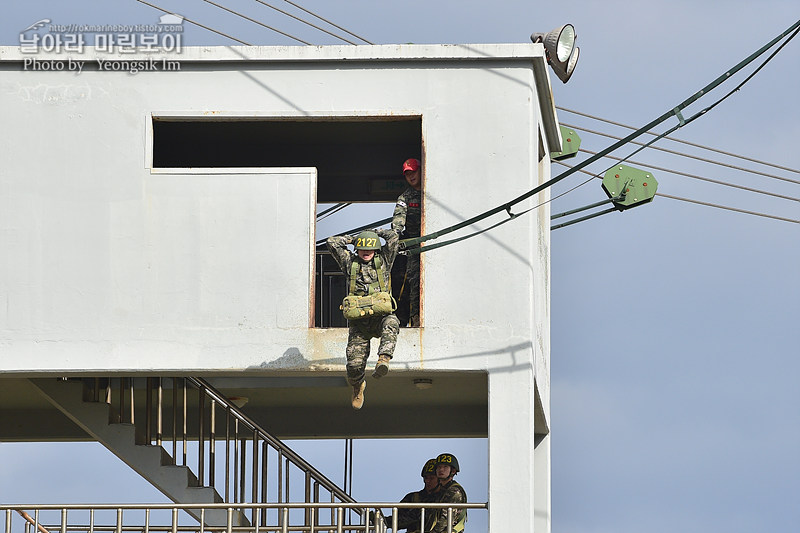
(410, 519)
(368, 273)
(449, 492)
(407, 219)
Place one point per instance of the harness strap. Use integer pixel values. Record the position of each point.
(459, 527)
(379, 268)
(355, 268)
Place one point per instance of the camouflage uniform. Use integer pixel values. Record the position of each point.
(409, 519)
(361, 331)
(450, 492)
(407, 218)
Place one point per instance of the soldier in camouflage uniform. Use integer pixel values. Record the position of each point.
(449, 492)
(407, 219)
(410, 519)
(361, 331)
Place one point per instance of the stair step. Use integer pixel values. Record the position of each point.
(153, 463)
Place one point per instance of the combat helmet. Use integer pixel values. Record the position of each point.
(448, 459)
(367, 240)
(429, 467)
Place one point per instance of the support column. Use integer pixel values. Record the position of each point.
(511, 448)
(541, 487)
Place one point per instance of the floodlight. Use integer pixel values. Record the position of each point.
(559, 46)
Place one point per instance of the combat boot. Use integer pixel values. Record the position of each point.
(382, 368)
(358, 395)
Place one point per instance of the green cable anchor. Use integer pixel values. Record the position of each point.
(625, 186)
(636, 187)
(570, 142)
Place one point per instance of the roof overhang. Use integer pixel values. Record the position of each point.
(422, 53)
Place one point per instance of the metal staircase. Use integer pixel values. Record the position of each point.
(164, 427)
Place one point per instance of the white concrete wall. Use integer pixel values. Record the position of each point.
(188, 267)
(81, 209)
(108, 265)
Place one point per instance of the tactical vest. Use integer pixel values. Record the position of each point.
(377, 302)
(416, 498)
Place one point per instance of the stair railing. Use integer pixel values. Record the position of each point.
(253, 467)
(166, 518)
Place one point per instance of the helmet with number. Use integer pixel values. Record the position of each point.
(447, 459)
(367, 240)
(429, 468)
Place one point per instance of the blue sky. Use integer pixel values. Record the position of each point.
(674, 326)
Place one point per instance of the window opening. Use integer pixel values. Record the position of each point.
(358, 161)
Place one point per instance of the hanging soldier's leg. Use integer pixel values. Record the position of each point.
(389, 329)
(357, 353)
